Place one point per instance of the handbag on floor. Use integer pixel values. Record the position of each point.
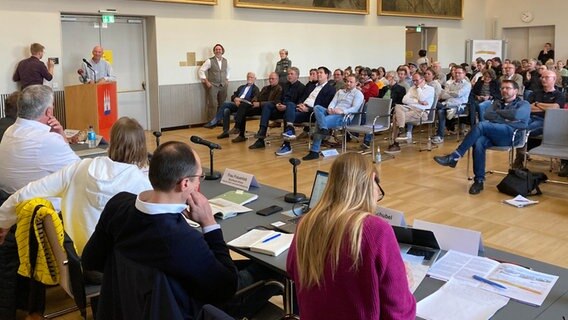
(522, 182)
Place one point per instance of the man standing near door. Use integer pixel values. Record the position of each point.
(214, 74)
(32, 71)
(97, 70)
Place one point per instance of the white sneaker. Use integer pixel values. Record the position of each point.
(437, 140)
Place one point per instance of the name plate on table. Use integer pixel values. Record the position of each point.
(238, 179)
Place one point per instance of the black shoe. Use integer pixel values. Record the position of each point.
(260, 135)
(239, 139)
(311, 156)
(234, 131)
(258, 144)
(210, 125)
(223, 135)
(447, 160)
(476, 187)
(563, 169)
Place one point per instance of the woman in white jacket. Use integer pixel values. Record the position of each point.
(86, 186)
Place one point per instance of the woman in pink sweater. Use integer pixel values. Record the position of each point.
(345, 260)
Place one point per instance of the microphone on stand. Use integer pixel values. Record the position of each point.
(157, 134)
(213, 175)
(295, 197)
(91, 67)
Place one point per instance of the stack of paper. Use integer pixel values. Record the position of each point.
(264, 241)
(520, 201)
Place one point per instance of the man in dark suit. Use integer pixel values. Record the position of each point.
(243, 94)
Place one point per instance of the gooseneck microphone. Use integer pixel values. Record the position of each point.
(87, 63)
(213, 175)
(198, 140)
(295, 197)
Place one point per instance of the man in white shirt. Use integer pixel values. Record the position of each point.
(98, 70)
(454, 96)
(35, 145)
(416, 103)
(214, 74)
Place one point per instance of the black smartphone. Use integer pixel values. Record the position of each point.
(268, 211)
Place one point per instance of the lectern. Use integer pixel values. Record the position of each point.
(91, 105)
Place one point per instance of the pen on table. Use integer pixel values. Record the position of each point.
(489, 282)
(271, 238)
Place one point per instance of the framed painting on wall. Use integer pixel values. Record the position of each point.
(441, 9)
(209, 2)
(333, 6)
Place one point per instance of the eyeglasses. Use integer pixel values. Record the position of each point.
(200, 176)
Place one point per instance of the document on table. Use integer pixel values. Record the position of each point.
(506, 279)
(458, 300)
(417, 270)
(264, 241)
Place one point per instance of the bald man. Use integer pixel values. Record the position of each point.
(100, 70)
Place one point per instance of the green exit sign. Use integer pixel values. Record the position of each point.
(108, 18)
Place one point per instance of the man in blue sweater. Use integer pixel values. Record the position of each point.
(501, 120)
(150, 229)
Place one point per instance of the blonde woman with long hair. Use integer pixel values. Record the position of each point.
(345, 260)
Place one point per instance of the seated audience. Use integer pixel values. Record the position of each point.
(376, 79)
(338, 81)
(86, 186)
(546, 98)
(243, 94)
(437, 66)
(454, 95)
(480, 67)
(404, 79)
(10, 112)
(484, 92)
(367, 85)
(269, 94)
(344, 259)
(497, 66)
(314, 95)
(509, 74)
(546, 53)
(502, 119)
(292, 91)
(431, 78)
(415, 106)
(531, 78)
(345, 101)
(35, 145)
(150, 229)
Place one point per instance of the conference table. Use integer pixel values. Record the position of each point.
(554, 307)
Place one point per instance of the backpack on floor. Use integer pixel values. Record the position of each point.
(522, 182)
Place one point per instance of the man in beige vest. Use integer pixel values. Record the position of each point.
(214, 74)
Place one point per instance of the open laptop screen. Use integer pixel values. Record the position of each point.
(317, 190)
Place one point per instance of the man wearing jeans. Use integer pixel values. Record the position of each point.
(345, 101)
(501, 120)
(454, 95)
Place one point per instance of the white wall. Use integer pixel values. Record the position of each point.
(252, 37)
(546, 13)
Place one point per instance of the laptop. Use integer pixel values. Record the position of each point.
(418, 242)
(320, 181)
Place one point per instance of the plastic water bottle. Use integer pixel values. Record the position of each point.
(91, 138)
(378, 155)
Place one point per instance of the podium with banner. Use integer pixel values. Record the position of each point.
(91, 105)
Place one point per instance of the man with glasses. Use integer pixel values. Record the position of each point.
(454, 96)
(416, 102)
(501, 120)
(150, 229)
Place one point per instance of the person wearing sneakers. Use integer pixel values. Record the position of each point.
(455, 94)
(243, 94)
(501, 120)
(291, 93)
(416, 103)
(269, 94)
(345, 101)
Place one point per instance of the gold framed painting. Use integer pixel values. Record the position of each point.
(333, 6)
(209, 2)
(440, 9)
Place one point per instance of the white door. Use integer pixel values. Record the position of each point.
(124, 40)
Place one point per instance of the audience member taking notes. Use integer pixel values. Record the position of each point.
(345, 260)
